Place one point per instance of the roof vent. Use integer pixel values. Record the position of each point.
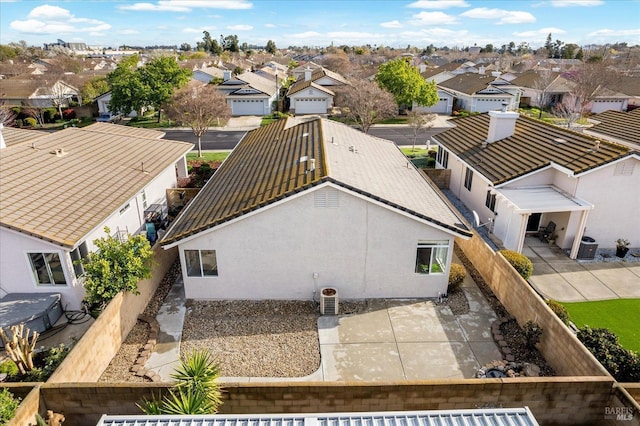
(59, 152)
(353, 149)
(559, 141)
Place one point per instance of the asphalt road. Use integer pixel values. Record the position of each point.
(227, 140)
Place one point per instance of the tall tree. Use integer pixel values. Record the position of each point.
(128, 93)
(419, 121)
(93, 88)
(405, 83)
(199, 108)
(366, 103)
(586, 82)
(230, 43)
(541, 85)
(548, 44)
(271, 47)
(162, 76)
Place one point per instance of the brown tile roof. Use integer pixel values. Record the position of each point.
(529, 78)
(258, 82)
(61, 198)
(469, 83)
(618, 125)
(134, 132)
(451, 66)
(530, 148)
(301, 85)
(12, 88)
(13, 136)
(629, 85)
(266, 167)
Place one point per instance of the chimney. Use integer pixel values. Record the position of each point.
(422, 68)
(226, 75)
(502, 124)
(307, 74)
(496, 74)
(2, 143)
(481, 70)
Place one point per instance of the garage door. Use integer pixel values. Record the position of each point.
(311, 106)
(247, 107)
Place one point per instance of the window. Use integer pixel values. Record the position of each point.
(77, 255)
(431, 257)
(490, 201)
(47, 268)
(468, 178)
(201, 263)
(125, 208)
(443, 157)
(144, 200)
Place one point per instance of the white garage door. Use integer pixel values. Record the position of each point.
(311, 106)
(247, 107)
(440, 108)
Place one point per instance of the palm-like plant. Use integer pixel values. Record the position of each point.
(196, 391)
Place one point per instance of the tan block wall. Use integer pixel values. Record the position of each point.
(30, 396)
(557, 400)
(561, 348)
(623, 404)
(93, 353)
(633, 389)
(440, 177)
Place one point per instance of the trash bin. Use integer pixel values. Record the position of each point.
(588, 247)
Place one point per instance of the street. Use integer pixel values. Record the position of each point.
(227, 140)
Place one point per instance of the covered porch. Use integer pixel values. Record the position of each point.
(528, 211)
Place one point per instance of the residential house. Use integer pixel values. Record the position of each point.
(445, 99)
(475, 92)
(617, 126)
(58, 191)
(103, 107)
(207, 74)
(299, 71)
(248, 93)
(307, 203)
(312, 94)
(37, 92)
(520, 174)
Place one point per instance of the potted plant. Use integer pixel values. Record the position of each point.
(622, 247)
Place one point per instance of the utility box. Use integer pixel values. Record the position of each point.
(587, 250)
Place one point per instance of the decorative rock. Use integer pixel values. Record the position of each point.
(530, 370)
(502, 343)
(135, 368)
(506, 350)
(510, 357)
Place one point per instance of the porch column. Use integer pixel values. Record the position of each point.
(181, 167)
(523, 231)
(579, 233)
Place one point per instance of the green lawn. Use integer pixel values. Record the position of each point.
(418, 152)
(620, 316)
(209, 156)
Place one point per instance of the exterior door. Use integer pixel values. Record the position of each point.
(533, 224)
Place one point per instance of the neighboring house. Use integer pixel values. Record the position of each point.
(312, 94)
(616, 126)
(248, 93)
(476, 93)
(59, 190)
(299, 71)
(38, 93)
(304, 204)
(103, 107)
(606, 99)
(445, 99)
(206, 74)
(522, 174)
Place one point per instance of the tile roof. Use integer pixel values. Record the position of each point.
(61, 198)
(11, 88)
(629, 85)
(531, 147)
(301, 85)
(469, 83)
(258, 82)
(134, 132)
(13, 136)
(618, 125)
(530, 77)
(265, 167)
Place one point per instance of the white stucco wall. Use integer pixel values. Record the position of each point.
(362, 249)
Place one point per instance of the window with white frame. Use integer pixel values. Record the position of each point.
(47, 269)
(431, 257)
(468, 178)
(443, 157)
(80, 252)
(490, 201)
(201, 263)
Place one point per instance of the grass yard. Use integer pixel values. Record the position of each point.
(418, 152)
(209, 156)
(620, 316)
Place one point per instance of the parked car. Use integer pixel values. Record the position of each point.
(109, 118)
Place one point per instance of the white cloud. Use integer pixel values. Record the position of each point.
(240, 27)
(127, 32)
(433, 18)
(567, 3)
(541, 32)
(187, 5)
(198, 30)
(438, 4)
(47, 19)
(269, 25)
(501, 16)
(391, 24)
(615, 33)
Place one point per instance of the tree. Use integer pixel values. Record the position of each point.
(199, 108)
(7, 116)
(162, 76)
(271, 47)
(419, 121)
(197, 390)
(185, 47)
(570, 109)
(116, 266)
(230, 43)
(93, 88)
(128, 93)
(406, 84)
(585, 84)
(548, 45)
(541, 85)
(366, 103)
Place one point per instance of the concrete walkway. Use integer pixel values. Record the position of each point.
(393, 340)
(557, 277)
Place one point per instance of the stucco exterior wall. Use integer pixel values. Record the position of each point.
(294, 249)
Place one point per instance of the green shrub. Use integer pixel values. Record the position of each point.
(621, 363)
(559, 310)
(457, 274)
(8, 406)
(431, 163)
(9, 368)
(532, 333)
(20, 122)
(51, 360)
(30, 121)
(519, 261)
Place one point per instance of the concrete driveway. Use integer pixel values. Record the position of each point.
(557, 277)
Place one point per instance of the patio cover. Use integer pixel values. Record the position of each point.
(542, 199)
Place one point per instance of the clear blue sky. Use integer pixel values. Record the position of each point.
(396, 23)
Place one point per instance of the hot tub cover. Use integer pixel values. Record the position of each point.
(16, 308)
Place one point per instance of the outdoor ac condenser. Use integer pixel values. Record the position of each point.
(329, 301)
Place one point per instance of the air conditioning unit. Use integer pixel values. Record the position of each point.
(329, 301)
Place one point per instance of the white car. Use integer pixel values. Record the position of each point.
(108, 118)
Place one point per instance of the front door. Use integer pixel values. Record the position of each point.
(533, 224)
